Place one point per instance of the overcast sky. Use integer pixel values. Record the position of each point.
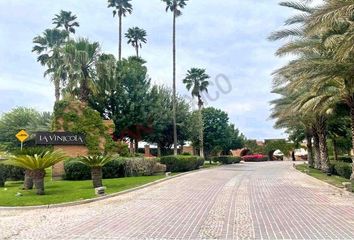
(226, 37)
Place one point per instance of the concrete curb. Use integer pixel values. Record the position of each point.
(342, 190)
(91, 200)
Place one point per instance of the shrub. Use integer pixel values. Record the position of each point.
(227, 159)
(10, 173)
(123, 149)
(118, 168)
(255, 158)
(76, 171)
(141, 167)
(182, 163)
(114, 169)
(343, 169)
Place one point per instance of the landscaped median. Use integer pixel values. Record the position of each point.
(334, 180)
(66, 191)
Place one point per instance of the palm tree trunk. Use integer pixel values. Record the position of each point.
(317, 159)
(174, 85)
(352, 122)
(120, 38)
(137, 50)
(38, 180)
(28, 183)
(84, 90)
(309, 148)
(57, 90)
(201, 130)
(96, 175)
(322, 136)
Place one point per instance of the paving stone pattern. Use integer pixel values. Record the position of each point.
(267, 200)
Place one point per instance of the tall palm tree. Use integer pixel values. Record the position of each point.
(175, 7)
(121, 9)
(81, 57)
(66, 20)
(47, 46)
(196, 82)
(136, 36)
(37, 164)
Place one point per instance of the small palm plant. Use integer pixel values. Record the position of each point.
(96, 163)
(36, 165)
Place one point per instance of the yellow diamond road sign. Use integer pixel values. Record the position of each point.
(22, 135)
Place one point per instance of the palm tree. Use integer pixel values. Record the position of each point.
(81, 57)
(136, 36)
(121, 9)
(66, 20)
(36, 165)
(175, 7)
(48, 47)
(96, 163)
(196, 82)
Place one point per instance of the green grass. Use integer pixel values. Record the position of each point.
(333, 180)
(212, 165)
(66, 191)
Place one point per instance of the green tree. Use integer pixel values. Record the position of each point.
(196, 81)
(216, 130)
(121, 9)
(81, 57)
(161, 126)
(132, 106)
(136, 37)
(47, 46)
(21, 118)
(107, 87)
(175, 7)
(67, 21)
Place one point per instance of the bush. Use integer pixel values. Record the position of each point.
(255, 158)
(76, 171)
(114, 169)
(343, 169)
(142, 167)
(227, 159)
(118, 168)
(10, 173)
(182, 163)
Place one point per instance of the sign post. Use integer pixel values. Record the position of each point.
(22, 136)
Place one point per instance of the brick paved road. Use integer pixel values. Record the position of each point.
(245, 201)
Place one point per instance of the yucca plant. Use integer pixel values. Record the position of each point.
(36, 165)
(96, 163)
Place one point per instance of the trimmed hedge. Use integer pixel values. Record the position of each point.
(255, 158)
(346, 159)
(343, 169)
(182, 163)
(119, 168)
(10, 173)
(227, 159)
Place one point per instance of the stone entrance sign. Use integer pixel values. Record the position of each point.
(59, 138)
(72, 144)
